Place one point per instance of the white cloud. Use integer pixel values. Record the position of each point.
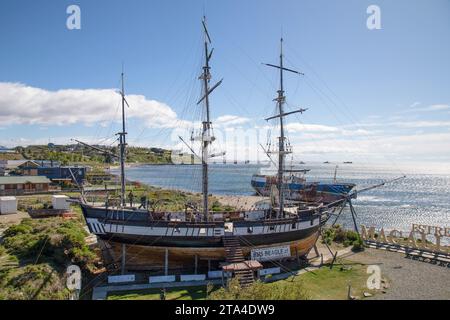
(317, 131)
(417, 147)
(415, 104)
(229, 120)
(300, 127)
(421, 124)
(434, 107)
(22, 104)
(438, 107)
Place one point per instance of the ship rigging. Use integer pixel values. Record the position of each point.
(214, 236)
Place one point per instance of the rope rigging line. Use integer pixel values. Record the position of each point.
(342, 105)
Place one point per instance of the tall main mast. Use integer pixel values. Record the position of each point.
(206, 137)
(281, 99)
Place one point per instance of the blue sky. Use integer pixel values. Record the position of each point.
(374, 95)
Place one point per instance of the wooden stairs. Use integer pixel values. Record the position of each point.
(234, 254)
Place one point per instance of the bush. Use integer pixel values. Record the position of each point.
(339, 235)
(17, 230)
(34, 256)
(358, 245)
(55, 240)
(259, 291)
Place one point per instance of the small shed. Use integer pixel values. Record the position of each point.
(60, 202)
(8, 205)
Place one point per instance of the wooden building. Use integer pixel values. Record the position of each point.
(19, 185)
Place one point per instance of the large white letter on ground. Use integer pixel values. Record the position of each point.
(374, 20)
(74, 20)
(73, 278)
(374, 280)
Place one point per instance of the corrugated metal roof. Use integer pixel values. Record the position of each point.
(23, 179)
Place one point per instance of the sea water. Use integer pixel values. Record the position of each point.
(421, 198)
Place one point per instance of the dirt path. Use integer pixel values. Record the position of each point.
(7, 220)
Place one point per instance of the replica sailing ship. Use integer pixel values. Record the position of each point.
(201, 232)
(297, 188)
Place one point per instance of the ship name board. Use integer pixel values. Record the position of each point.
(272, 253)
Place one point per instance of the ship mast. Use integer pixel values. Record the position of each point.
(122, 145)
(206, 137)
(282, 150)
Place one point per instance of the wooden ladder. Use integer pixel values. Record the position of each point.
(234, 254)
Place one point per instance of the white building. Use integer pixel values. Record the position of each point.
(8, 205)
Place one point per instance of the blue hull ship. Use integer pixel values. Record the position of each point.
(298, 189)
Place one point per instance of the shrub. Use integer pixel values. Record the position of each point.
(259, 291)
(358, 245)
(50, 245)
(17, 230)
(339, 235)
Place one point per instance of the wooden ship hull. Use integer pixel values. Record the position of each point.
(147, 235)
(145, 258)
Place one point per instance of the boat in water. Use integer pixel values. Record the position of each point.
(297, 188)
(198, 232)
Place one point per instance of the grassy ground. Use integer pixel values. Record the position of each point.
(35, 253)
(189, 293)
(332, 284)
(322, 284)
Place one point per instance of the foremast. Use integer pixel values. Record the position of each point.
(282, 150)
(122, 145)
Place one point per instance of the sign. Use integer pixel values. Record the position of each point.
(122, 278)
(192, 277)
(272, 253)
(265, 272)
(214, 274)
(160, 279)
(420, 237)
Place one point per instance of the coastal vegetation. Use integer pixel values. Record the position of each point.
(341, 236)
(79, 154)
(261, 291)
(34, 255)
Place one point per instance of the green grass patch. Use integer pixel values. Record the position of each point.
(321, 284)
(34, 256)
(188, 293)
(332, 284)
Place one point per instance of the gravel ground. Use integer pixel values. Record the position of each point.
(408, 279)
(9, 219)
